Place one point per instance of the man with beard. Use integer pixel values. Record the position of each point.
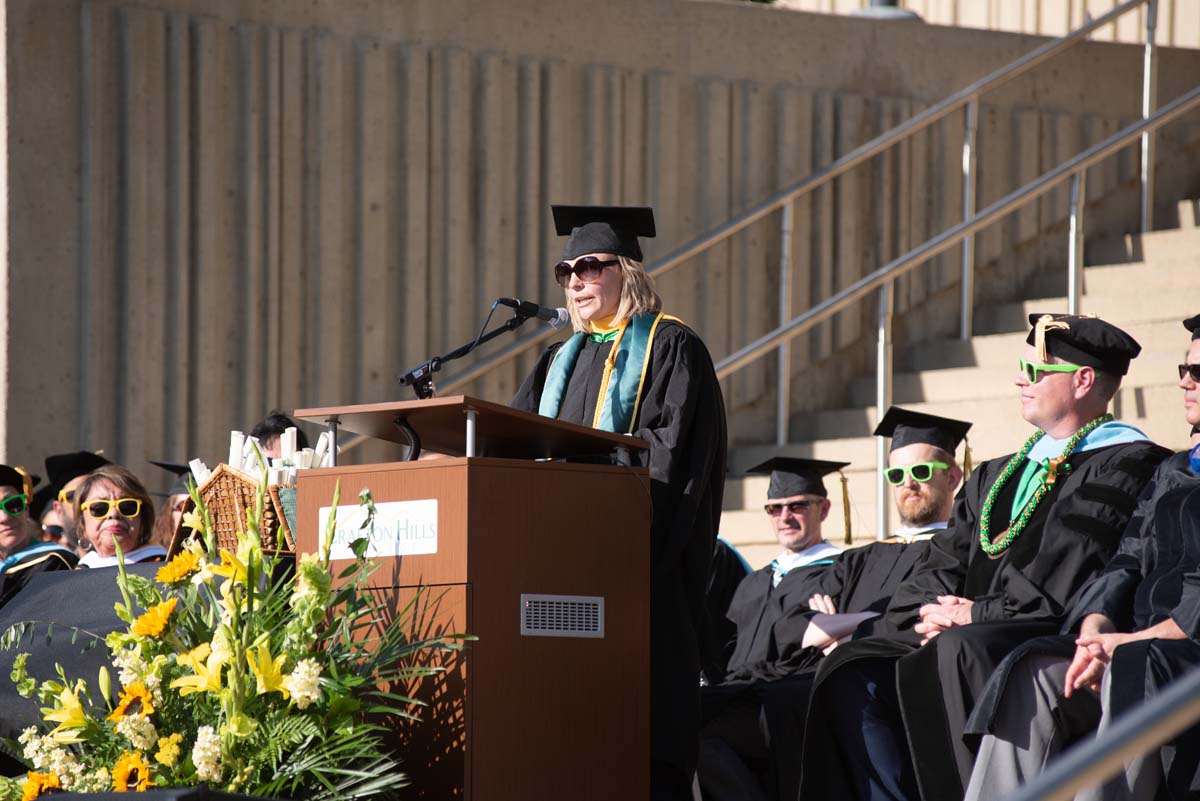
(1134, 630)
(66, 471)
(1028, 532)
(755, 719)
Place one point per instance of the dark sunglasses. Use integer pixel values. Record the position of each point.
(588, 269)
(920, 472)
(126, 507)
(1190, 370)
(795, 507)
(14, 505)
(53, 531)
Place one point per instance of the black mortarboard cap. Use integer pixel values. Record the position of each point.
(603, 229)
(62, 467)
(41, 499)
(1193, 324)
(907, 428)
(791, 476)
(180, 471)
(1086, 341)
(17, 479)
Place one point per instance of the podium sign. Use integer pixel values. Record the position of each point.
(547, 563)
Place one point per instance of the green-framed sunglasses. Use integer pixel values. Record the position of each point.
(14, 505)
(920, 472)
(1033, 371)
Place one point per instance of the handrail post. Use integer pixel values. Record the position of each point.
(1075, 244)
(967, 279)
(1149, 93)
(883, 399)
(783, 393)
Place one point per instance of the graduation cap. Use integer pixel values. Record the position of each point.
(603, 229)
(1192, 324)
(41, 499)
(180, 471)
(793, 476)
(63, 467)
(1085, 340)
(18, 478)
(908, 428)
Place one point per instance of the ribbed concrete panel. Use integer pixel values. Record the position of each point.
(288, 206)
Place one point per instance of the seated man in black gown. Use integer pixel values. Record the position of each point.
(1027, 534)
(1133, 630)
(785, 625)
(23, 554)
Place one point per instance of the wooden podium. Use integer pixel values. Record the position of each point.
(546, 562)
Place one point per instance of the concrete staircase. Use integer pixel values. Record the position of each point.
(1146, 284)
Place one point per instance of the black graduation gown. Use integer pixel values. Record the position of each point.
(772, 673)
(1154, 576)
(720, 632)
(18, 575)
(682, 416)
(1023, 594)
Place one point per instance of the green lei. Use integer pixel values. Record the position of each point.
(1054, 468)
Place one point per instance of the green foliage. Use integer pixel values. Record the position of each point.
(226, 677)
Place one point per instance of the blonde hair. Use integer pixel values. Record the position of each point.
(638, 296)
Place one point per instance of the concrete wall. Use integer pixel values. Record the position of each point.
(1178, 20)
(216, 206)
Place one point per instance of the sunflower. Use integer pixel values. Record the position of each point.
(131, 773)
(37, 783)
(134, 693)
(154, 620)
(180, 567)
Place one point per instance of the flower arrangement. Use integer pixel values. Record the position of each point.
(229, 677)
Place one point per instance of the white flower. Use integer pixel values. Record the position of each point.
(303, 683)
(206, 755)
(139, 731)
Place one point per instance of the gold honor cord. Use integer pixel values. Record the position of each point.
(846, 505)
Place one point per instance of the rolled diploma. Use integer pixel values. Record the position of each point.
(236, 443)
(200, 471)
(321, 449)
(287, 443)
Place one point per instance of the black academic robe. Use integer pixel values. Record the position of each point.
(29, 563)
(682, 416)
(720, 633)
(1154, 576)
(771, 673)
(1024, 593)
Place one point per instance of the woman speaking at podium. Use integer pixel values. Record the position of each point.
(630, 368)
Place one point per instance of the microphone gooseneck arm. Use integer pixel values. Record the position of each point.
(420, 378)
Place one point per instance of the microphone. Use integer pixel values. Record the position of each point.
(556, 318)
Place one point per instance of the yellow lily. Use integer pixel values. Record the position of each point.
(231, 568)
(69, 716)
(207, 667)
(267, 672)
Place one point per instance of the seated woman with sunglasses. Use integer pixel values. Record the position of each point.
(113, 508)
(629, 368)
(22, 554)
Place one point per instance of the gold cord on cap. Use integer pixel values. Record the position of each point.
(1046, 323)
(26, 484)
(846, 505)
(966, 458)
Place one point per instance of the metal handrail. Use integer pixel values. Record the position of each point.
(967, 96)
(949, 238)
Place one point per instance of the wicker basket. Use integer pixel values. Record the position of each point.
(227, 494)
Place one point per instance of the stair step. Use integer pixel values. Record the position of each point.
(966, 383)
(994, 349)
(1119, 279)
(1166, 244)
(1131, 307)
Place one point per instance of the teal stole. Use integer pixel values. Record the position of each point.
(624, 373)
